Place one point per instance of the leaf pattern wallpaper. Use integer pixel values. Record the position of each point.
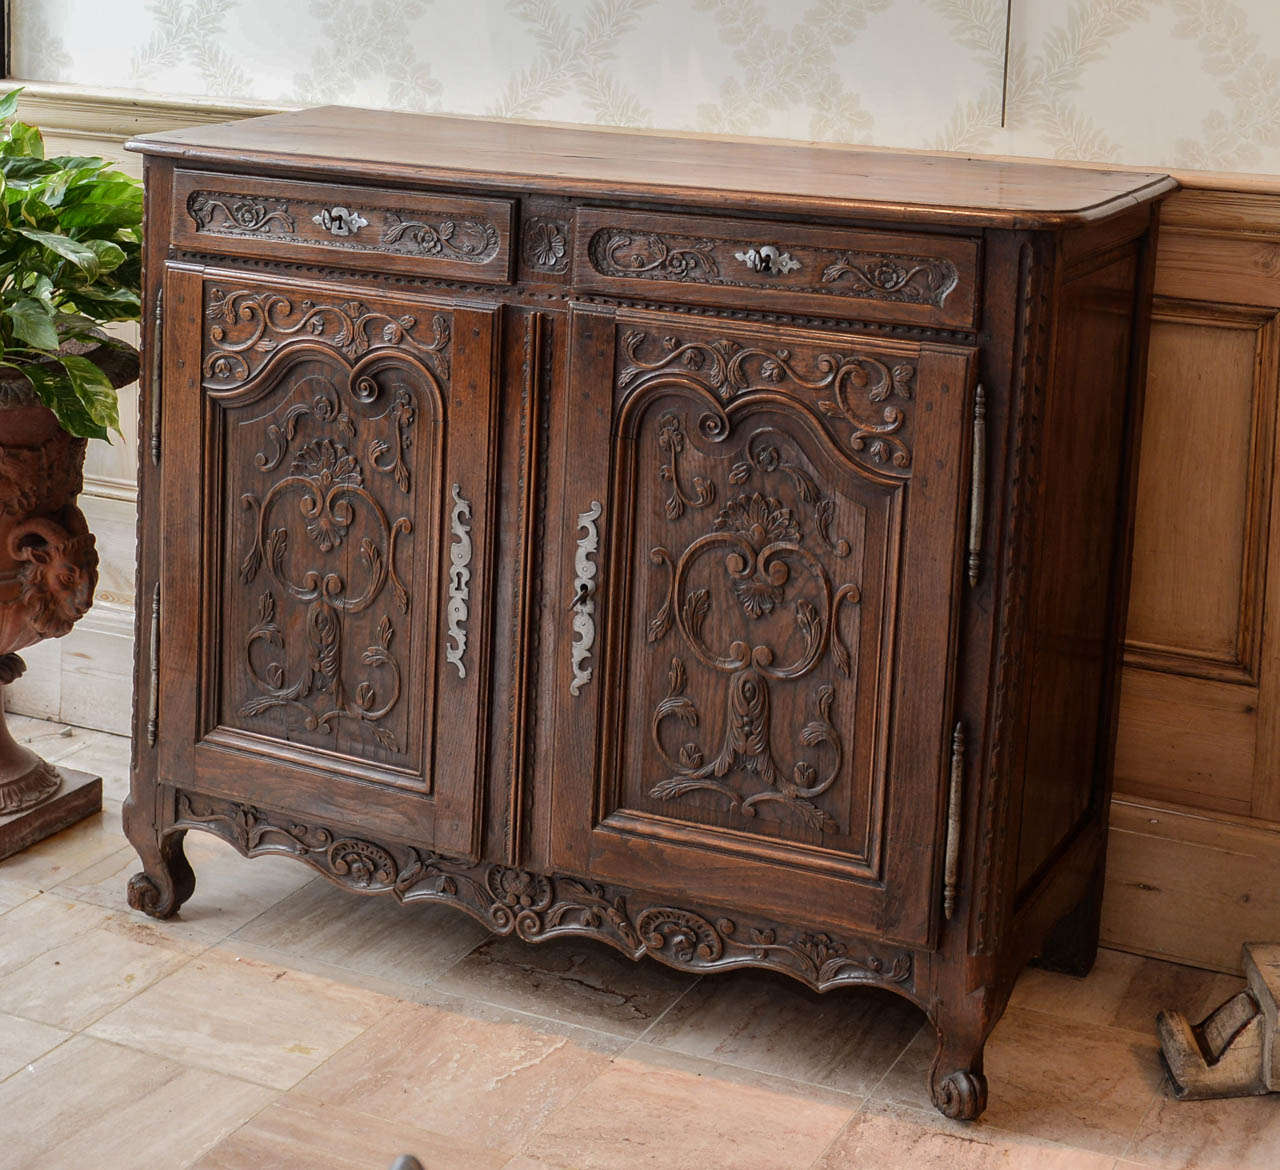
(1176, 83)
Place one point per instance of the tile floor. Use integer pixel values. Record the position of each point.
(283, 1022)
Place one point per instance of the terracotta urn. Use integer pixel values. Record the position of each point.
(48, 562)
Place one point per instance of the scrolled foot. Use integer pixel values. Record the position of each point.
(961, 1095)
(145, 895)
(166, 883)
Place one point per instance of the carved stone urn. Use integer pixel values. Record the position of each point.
(48, 571)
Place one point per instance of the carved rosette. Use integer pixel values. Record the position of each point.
(538, 906)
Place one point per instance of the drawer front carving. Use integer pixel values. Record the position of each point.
(450, 236)
(862, 274)
(766, 523)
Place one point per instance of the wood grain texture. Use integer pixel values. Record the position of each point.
(506, 156)
(632, 600)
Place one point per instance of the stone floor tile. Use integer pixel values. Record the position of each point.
(230, 890)
(642, 1113)
(72, 984)
(249, 1019)
(914, 1140)
(1125, 991)
(89, 1103)
(13, 895)
(295, 1132)
(477, 1073)
(845, 1039)
(39, 924)
(23, 1041)
(95, 752)
(1049, 1078)
(577, 981)
(1240, 1133)
(44, 865)
(374, 935)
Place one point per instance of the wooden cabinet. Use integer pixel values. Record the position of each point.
(715, 549)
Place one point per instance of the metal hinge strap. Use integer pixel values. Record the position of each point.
(978, 483)
(954, 812)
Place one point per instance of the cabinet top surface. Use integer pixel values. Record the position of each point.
(333, 141)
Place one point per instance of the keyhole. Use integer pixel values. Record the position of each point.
(766, 263)
(583, 595)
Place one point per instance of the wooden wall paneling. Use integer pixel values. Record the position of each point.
(1194, 836)
(1187, 885)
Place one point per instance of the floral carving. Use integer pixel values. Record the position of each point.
(627, 253)
(545, 244)
(538, 906)
(246, 327)
(756, 551)
(467, 241)
(334, 458)
(903, 279)
(671, 440)
(223, 214)
(853, 389)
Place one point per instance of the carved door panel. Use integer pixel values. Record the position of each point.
(761, 545)
(323, 645)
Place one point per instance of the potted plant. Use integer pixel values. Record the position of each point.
(70, 263)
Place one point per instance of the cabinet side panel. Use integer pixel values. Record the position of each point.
(1077, 576)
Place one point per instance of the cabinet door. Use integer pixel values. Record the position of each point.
(759, 557)
(327, 462)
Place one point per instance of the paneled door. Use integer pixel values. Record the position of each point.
(335, 449)
(761, 540)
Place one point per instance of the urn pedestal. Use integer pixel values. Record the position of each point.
(48, 571)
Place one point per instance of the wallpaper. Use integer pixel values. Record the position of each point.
(1179, 83)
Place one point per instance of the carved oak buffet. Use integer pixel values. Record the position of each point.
(714, 548)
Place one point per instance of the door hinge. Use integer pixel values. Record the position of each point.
(156, 362)
(955, 804)
(978, 483)
(153, 690)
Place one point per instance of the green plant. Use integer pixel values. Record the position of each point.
(70, 262)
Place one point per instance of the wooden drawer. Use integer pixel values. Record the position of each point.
(866, 275)
(451, 236)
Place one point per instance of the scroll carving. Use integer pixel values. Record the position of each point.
(244, 328)
(333, 463)
(584, 608)
(537, 906)
(758, 543)
(914, 280)
(468, 241)
(214, 211)
(459, 581)
(865, 397)
(874, 276)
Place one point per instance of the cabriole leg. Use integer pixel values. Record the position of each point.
(166, 880)
(956, 1083)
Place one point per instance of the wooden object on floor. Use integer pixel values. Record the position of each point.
(717, 549)
(1235, 1050)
